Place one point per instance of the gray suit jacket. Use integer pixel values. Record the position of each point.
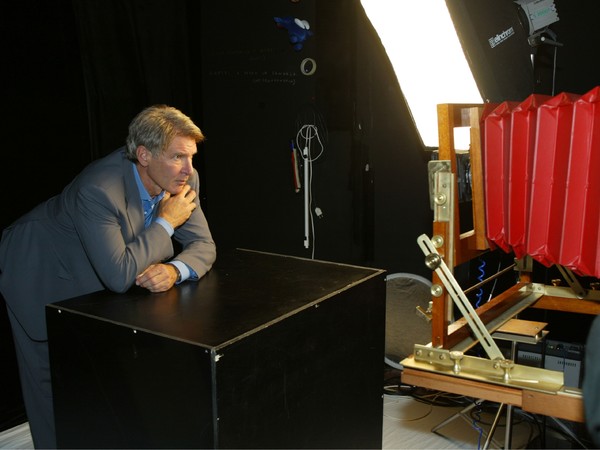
(91, 237)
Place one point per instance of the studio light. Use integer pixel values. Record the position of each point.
(423, 47)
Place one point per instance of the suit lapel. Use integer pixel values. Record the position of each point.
(135, 212)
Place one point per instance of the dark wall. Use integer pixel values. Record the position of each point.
(254, 95)
(44, 132)
(257, 100)
(135, 53)
(370, 181)
(44, 124)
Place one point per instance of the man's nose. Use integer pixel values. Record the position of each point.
(188, 167)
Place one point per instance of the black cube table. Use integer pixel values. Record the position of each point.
(266, 351)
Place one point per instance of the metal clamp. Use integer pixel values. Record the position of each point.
(434, 261)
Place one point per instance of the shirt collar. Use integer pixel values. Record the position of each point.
(143, 192)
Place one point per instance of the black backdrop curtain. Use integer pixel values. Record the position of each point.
(134, 53)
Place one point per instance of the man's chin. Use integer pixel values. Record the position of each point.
(176, 190)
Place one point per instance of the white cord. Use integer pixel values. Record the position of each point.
(310, 209)
(306, 134)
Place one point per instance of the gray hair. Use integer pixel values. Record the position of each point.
(156, 126)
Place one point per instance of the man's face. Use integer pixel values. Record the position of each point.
(171, 170)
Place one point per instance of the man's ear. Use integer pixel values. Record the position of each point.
(143, 155)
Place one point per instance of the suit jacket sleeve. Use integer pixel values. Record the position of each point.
(198, 247)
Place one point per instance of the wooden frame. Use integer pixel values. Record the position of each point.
(457, 247)
(561, 406)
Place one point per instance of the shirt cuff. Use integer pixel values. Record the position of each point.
(183, 270)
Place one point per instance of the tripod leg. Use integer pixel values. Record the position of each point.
(454, 416)
(493, 428)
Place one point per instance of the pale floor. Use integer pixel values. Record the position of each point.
(407, 424)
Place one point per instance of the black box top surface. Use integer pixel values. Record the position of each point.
(262, 288)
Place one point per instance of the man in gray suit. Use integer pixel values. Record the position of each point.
(112, 227)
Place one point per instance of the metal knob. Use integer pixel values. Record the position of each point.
(456, 356)
(433, 261)
(506, 365)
